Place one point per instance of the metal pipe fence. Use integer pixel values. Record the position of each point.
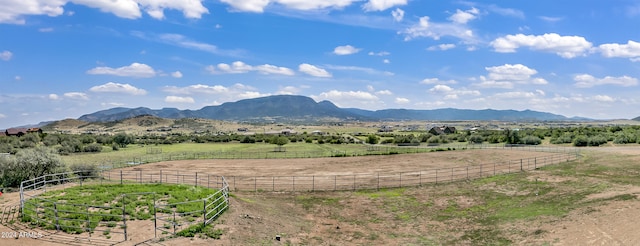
(111, 219)
(365, 150)
(343, 182)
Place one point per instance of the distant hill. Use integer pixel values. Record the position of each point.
(291, 108)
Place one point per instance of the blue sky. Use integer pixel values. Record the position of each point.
(65, 58)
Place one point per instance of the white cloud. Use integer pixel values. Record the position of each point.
(398, 14)
(197, 89)
(550, 19)
(138, 70)
(76, 95)
(429, 81)
(235, 67)
(384, 92)
(345, 50)
(118, 88)
(587, 81)
(2, 116)
(112, 104)
(506, 76)
(517, 72)
(13, 12)
(200, 92)
(386, 61)
(258, 6)
(349, 98)
(313, 70)
(54, 97)
(441, 89)
(177, 99)
(402, 100)
(381, 53)
(564, 46)
(494, 84)
(630, 50)
(176, 74)
(241, 67)
(426, 29)
(381, 5)
(288, 90)
(6, 55)
(603, 98)
(271, 69)
(441, 47)
(360, 69)
(462, 17)
(185, 42)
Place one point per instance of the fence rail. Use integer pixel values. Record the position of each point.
(85, 218)
(338, 182)
(364, 150)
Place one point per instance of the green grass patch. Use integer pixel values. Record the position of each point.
(83, 208)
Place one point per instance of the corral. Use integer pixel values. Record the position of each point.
(245, 216)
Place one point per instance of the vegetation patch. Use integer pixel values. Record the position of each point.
(85, 208)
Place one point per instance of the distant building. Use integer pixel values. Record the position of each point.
(19, 132)
(385, 128)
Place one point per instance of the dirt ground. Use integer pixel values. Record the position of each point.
(258, 218)
(342, 166)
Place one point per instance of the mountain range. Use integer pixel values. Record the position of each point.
(293, 108)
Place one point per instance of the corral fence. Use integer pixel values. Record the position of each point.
(111, 219)
(345, 182)
(378, 180)
(364, 150)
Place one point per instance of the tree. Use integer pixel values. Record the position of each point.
(28, 164)
(280, 141)
(122, 140)
(373, 139)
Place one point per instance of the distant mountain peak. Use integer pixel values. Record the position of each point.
(301, 108)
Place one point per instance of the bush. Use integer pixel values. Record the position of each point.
(531, 140)
(28, 164)
(94, 147)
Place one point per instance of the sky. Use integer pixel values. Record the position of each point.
(65, 58)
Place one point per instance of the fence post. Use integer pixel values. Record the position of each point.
(124, 216)
(354, 182)
(535, 163)
(293, 181)
(335, 182)
(255, 184)
(313, 183)
(121, 181)
(378, 186)
(196, 179)
(436, 176)
(273, 183)
(400, 179)
(204, 212)
(467, 172)
(480, 170)
(161, 176)
(55, 210)
(155, 215)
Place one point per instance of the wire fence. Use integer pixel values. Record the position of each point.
(155, 154)
(341, 182)
(110, 220)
